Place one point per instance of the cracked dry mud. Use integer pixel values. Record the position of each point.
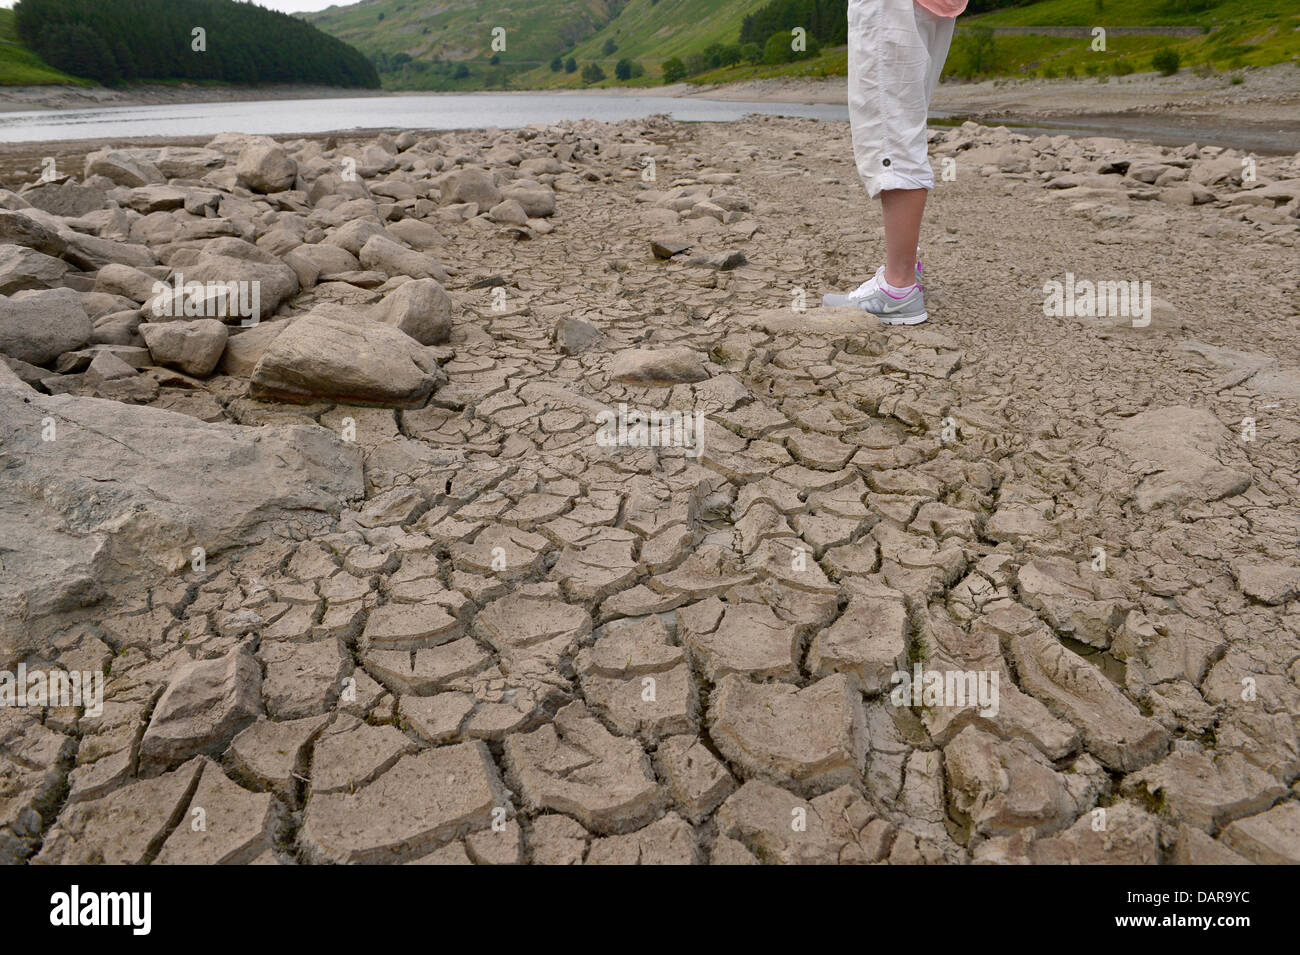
(439, 622)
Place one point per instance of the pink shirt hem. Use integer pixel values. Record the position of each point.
(944, 8)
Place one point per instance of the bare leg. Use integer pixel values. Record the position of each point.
(902, 210)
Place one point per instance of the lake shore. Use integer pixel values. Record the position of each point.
(1261, 113)
(1267, 93)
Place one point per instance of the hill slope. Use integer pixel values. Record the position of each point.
(117, 41)
(19, 66)
(460, 32)
(453, 37)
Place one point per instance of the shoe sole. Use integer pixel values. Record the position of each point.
(903, 319)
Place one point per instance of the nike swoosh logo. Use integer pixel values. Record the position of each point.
(894, 308)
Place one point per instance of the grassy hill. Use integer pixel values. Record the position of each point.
(461, 31)
(1238, 33)
(452, 32)
(453, 37)
(19, 66)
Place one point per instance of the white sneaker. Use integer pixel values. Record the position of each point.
(862, 292)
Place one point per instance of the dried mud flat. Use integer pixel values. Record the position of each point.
(368, 585)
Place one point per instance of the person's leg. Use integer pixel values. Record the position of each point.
(903, 209)
(875, 27)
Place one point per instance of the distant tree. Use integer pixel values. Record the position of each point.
(674, 70)
(496, 59)
(623, 70)
(610, 47)
(592, 73)
(826, 20)
(751, 52)
(1167, 61)
(977, 52)
(461, 72)
(777, 49)
(557, 64)
(570, 65)
(113, 40)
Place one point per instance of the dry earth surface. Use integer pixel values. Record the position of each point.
(368, 585)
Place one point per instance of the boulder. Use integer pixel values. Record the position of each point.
(508, 212)
(99, 497)
(364, 363)
(274, 283)
(188, 162)
(107, 366)
(244, 349)
(421, 308)
(658, 366)
(538, 202)
(193, 347)
(66, 199)
(385, 255)
(353, 236)
(470, 185)
(19, 229)
(122, 168)
(573, 335)
(666, 246)
(23, 268)
(39, 326)
(125, 281)
(266, 169)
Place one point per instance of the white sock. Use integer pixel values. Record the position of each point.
(896, 292)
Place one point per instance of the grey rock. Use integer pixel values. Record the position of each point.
(385, 255)
(421, 308)
(470, 185)
(38, 326)
(367, 363)
(573, 335)
(123, 168)
(206, 703)
(264, 168)
(23, 268)
(658, 366)
(115, 495)
(193, 347)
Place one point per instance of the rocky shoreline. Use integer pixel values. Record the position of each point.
(302, 444)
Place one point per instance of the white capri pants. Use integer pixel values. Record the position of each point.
(896, 52)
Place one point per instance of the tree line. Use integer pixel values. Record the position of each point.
(116, 41)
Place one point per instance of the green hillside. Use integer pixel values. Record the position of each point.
(19, 66)
(446, 34)
(462, 30)
(1238, 33)
(422, 44)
